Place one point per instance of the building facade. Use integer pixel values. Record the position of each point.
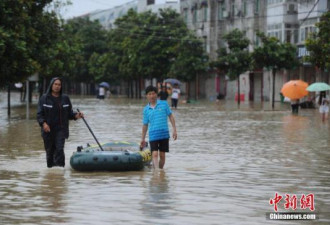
(309, 13)
(211, 20)
(293, 21)
(288, 20)
(108, 17)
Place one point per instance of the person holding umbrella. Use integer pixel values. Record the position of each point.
(102, 87)
(324, 105)
(294, 89)
(101, 92)
(175, 96)
(323, 101)
(295, 106)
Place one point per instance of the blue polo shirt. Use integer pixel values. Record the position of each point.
(156, 119)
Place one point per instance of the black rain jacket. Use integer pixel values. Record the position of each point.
(46, 110)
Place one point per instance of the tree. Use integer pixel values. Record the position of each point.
(156, 46)
(235, 59)
(26, 33)
(274, 55)
(319, 44)
(89, 41)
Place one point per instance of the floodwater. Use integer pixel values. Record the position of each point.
(224, 168)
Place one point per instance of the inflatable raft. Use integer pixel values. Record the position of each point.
(117, 156)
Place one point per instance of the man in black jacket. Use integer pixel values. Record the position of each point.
(54, 113)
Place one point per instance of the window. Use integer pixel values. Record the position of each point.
(194, 13)
(302, 35)
(291, 9)
(257, 7)
(244, 10)
(233, 10)
(205, 43)
(195, 16)
(185, 15)
(257, 40)
(205, 9)
(150, 2)
(306, 32)
(272, 2)
(275, 30)
(296, 36)
(288, 36)
(221, 10)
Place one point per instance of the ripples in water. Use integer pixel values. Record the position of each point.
(223, 169)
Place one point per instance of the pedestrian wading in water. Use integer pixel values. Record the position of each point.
(53, 115)
(323, 102)
(155, 115)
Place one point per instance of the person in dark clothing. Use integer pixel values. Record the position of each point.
(295, 106)
(53, 115)
(163, 95)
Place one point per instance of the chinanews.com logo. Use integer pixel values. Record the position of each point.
(295, 207)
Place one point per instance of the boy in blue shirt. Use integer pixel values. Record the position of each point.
(155, 115)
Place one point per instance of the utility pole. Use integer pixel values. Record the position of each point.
(8, 94)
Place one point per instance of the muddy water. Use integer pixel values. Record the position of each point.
(224, 168)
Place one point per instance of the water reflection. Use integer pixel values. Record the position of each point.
(27, 199)
(158, 203)
(52, 191)
(295, 127)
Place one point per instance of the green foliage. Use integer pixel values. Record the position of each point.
(89, 41)
(156, 46)
(143, 45)
(27, 32)
(235, 59)
(274, 54)
(189, 59)
(319, 44)
(95, 65)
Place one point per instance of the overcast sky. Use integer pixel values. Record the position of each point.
(81, 7)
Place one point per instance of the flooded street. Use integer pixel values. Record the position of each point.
(224, 168)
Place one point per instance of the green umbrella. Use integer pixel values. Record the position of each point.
(318, 86)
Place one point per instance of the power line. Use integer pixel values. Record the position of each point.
(159, 37)
(234, 18)
(146, 33)
(251, 17)
(303, 21)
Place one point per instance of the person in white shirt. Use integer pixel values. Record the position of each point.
(175, 96)
(101, 92)
(324, 105)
